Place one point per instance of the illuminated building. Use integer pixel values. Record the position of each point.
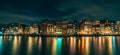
(34, 29)
(44, 26)
(112, 27)
(108, 27)
(70, 28)
(58, 27)
(51, 27)
(26, 30)
(47, 27)
(86, 27)
(102, 26)
(96, 27)
(75, 26)
(14, 28)
(64, 27)
(117, 27)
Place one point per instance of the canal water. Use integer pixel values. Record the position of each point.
(23, 45)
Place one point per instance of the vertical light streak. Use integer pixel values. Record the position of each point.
(103, 43)
(79, 45)
(87, 46)
(1, 44)
(59, 46)
(83, 45)
(100, 46)
(54, 47)
(40, 43)
(72, 45)
(30, 44)
(114, 45)
(15, 45)
(110, 48)
(118, 42)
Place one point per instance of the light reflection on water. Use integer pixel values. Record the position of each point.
(72, 45)
(0, 44)
(21, 45)
(29, 45)
(100, 46)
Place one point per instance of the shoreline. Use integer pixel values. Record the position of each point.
(79, 35)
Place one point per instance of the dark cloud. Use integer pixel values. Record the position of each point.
(28, 11)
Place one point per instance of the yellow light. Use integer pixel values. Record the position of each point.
(15, 46)
(30, 44)
(54, 47)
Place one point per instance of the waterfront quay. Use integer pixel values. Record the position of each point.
(78, 35)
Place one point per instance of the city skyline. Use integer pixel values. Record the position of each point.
(63, 27)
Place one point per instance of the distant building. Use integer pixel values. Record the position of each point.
(86, 27)
(14, 28)
(64, 27)
(117, 27)
(75, 26)
(96, 27)
(70, 28)
(34, 29)
(47, 27)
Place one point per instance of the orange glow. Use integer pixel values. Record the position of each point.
(79, 42)
(72, 45)
(81, 32)
(87, 46)
(83, 45)
(100, 46)
(110, 46)
(54, 47)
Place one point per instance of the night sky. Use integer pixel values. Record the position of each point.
(30, 11)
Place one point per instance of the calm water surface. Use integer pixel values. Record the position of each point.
(22, 45)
